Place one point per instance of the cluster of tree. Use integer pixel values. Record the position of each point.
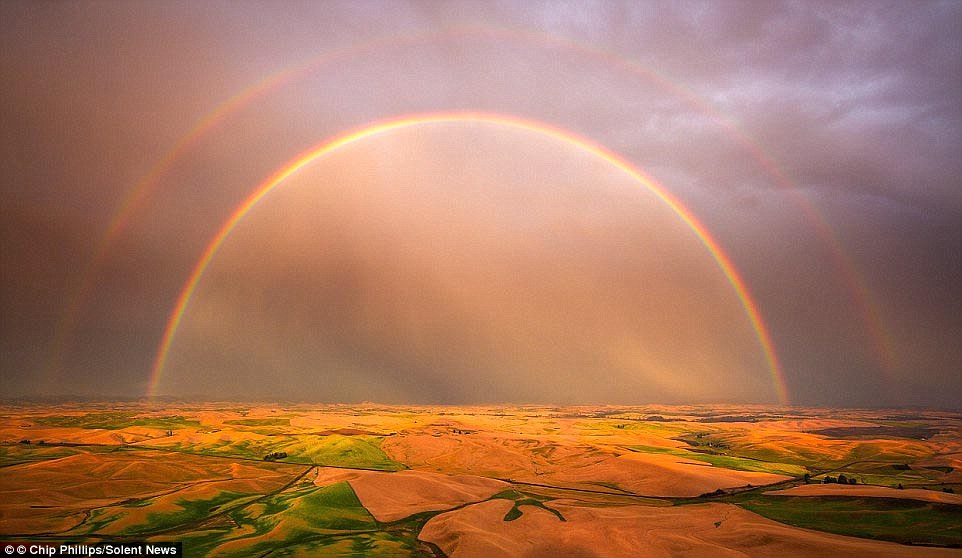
(274, 456)
(842, 479)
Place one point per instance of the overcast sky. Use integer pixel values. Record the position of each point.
(818, 143)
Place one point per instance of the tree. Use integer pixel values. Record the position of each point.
(275, 456)
(842, 479)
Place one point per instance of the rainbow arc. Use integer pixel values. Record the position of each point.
(378, 128)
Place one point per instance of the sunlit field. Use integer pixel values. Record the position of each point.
(369, 480)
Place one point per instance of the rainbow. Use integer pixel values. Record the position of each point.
(377, 128)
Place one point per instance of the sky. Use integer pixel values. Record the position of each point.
(523, 255)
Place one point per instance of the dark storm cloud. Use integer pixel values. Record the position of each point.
(860, 103)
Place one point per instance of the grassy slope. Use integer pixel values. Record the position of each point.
(728, 461)
(904, 521)
(363, 452)
(303, 519)
(115, 421)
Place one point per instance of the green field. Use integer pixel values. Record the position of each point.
(728, 461)
(190, 511)
(116, 421)
(260, 422)
(303, 517)
(335, 450)
(14, 454)
(902, 521)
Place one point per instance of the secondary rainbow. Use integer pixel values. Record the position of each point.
(374, 129)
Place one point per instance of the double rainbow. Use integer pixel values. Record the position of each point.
(861, 296)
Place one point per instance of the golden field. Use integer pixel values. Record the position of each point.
(374, 480)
